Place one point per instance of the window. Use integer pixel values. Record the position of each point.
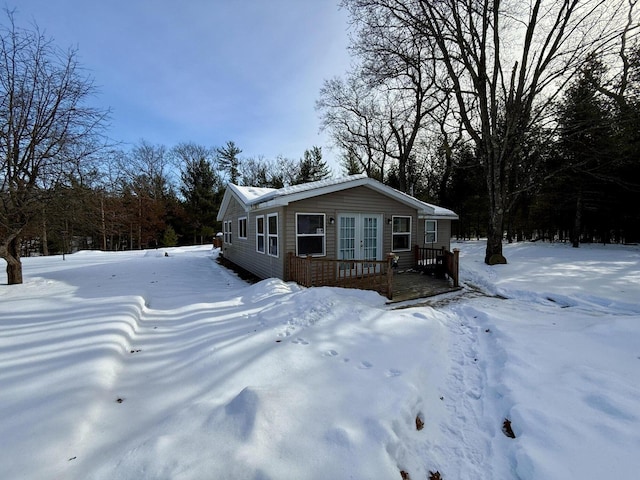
(242, 227)
(430, 231)
(272, 234)
(401, 234)
(260, 234)
(227, 231)
(310, 234)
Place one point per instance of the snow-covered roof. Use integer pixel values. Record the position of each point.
(257, 198)
(249, 194)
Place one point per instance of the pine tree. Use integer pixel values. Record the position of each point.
(229, 161)
(202, 191)
(311, 167)
(170, 237)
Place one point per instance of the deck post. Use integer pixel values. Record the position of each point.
(456, 264)
(390, 258)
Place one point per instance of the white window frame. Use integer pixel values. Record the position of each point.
(270, 236)
(242, 228)
(395, 234)
(323, 234)
(261, 235)
(434, 232)
(226, 229)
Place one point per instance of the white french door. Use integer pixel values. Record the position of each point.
(359, 238)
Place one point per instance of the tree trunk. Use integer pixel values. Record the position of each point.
(14, 265)
(45, 239)
(577, 223)
(103, 224)
(494, 239)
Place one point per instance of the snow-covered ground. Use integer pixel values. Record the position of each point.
(137, 365)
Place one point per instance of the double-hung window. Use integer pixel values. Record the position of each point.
(430, 231)
(310, 234)
(227, 231)
(272, 234)
(401, 234)
(260, 234)
(242, 227)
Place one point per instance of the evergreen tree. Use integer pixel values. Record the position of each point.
(229, 161)
(350, 163)
(311, 167)
(202, 189)
(170, 237)
(585, 146)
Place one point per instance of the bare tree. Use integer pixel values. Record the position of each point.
(261, 172)
(506, 62)
(43, 118)
(350, 112)
(148, 185)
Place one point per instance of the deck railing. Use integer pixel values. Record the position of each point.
(364, 274)
(438, 261)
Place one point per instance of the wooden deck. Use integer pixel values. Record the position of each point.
(410, 285)
(435, 272)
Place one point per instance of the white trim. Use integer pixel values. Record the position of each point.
(251, 198)
(324, 233)
(240, 236)
(258, 235)
(435, 231)
(357, 248)
(270, 235)
(227, 232)
(394, 234)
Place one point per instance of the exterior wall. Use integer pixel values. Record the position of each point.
(354, 200)
(243, 252)
(443, 234)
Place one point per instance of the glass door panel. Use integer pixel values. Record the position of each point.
(359, 238)
(346, 241)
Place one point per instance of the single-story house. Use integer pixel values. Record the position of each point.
(350, 218)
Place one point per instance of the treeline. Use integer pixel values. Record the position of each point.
(153, 196)
(586, 172)
(64, 187)
(525, 121)
(526, 127)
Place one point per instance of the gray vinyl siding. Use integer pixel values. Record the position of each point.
(243, 252)
(263, 264)
(355, 200)
(443, 233)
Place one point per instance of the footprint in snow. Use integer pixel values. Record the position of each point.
(330, 353)
(365, 365)
(392, 372)
(300, 341)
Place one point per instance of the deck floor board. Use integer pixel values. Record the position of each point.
(410, 285)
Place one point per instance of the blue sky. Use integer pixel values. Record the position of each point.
(206, 71)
